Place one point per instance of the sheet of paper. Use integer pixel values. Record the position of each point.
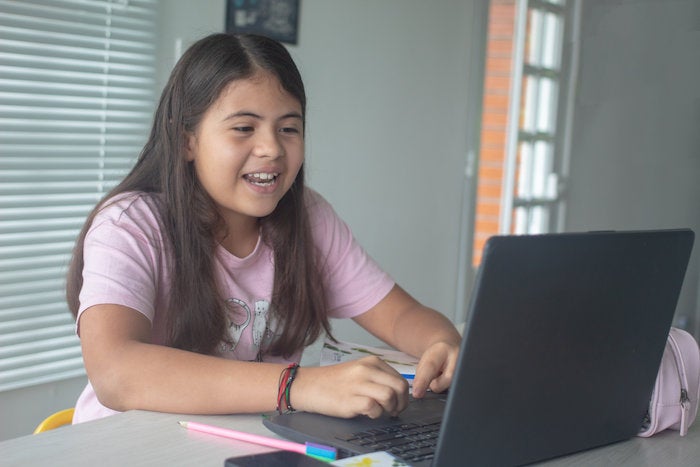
(338, 352)
(374, 459)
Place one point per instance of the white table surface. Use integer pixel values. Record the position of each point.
(137, 438)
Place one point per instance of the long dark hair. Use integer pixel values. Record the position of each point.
(189, 218)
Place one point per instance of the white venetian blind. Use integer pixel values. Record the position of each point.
(76, 100)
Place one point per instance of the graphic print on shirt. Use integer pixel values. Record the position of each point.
(260, 322)
(239, 317)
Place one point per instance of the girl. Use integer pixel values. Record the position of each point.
(204, 273)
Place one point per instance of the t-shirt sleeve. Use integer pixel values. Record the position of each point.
(121, 260)
(354, 281)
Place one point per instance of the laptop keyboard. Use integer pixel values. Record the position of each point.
(412, 442)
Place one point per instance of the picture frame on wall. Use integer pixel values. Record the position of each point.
(277, 19)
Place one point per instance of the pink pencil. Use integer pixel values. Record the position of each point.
(315, 450)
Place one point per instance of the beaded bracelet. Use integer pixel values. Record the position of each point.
(285, 383)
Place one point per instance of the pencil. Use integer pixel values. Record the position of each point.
(318, 451)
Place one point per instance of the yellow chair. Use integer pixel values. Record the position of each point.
(63, 417)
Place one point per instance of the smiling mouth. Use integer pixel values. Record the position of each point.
(261, 179)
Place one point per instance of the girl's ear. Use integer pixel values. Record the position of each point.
(190, 145)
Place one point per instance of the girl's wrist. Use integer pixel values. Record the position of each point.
(301, 388)
(284, 388)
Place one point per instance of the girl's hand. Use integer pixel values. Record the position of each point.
(403, 323)
(368, 386)
(435, 368)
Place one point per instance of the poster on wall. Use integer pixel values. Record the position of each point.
(277, 19)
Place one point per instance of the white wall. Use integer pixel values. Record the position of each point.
(635, 160)
(182, 22)
(23, 409)
(387, 86)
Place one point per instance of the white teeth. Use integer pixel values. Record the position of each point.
(260, 178)
(263, 176)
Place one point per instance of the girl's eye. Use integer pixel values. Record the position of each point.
(244, 129)
(289, 130)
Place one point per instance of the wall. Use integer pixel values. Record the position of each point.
(387, 84)
(23, 409)
(498, 81)
(635, 159)
(182, 22)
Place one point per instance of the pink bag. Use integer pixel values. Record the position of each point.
(674, 402)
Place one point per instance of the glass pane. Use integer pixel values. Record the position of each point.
(541, 168)
(539, 220)
(544, 39)
(529, 108)
(531, 220)
(534, 37)
(539, 104)
(520, 224)
(551, 41)
(524, 179)
(546, 105)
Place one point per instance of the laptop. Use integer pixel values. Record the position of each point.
(561, 348)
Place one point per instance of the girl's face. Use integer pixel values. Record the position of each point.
(248, 148)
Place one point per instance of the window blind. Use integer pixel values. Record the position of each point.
(77, 90)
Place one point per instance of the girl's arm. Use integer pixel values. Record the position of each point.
(128, 372)
(402, 322)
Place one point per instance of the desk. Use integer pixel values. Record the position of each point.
(137, 438)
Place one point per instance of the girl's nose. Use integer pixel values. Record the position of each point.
(268, 145)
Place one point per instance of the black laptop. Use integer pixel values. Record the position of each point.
(561, 348)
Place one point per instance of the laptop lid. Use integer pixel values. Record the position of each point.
(563, 343)
(563, 340)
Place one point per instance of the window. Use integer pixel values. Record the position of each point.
(77, 83)
(522, 168)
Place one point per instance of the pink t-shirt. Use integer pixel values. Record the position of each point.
(125, 264)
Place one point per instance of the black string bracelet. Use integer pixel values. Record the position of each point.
(284, 386)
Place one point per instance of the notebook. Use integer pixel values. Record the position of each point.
(562, 344)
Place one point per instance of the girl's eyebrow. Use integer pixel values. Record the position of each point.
(241, 113)
(246, 113)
